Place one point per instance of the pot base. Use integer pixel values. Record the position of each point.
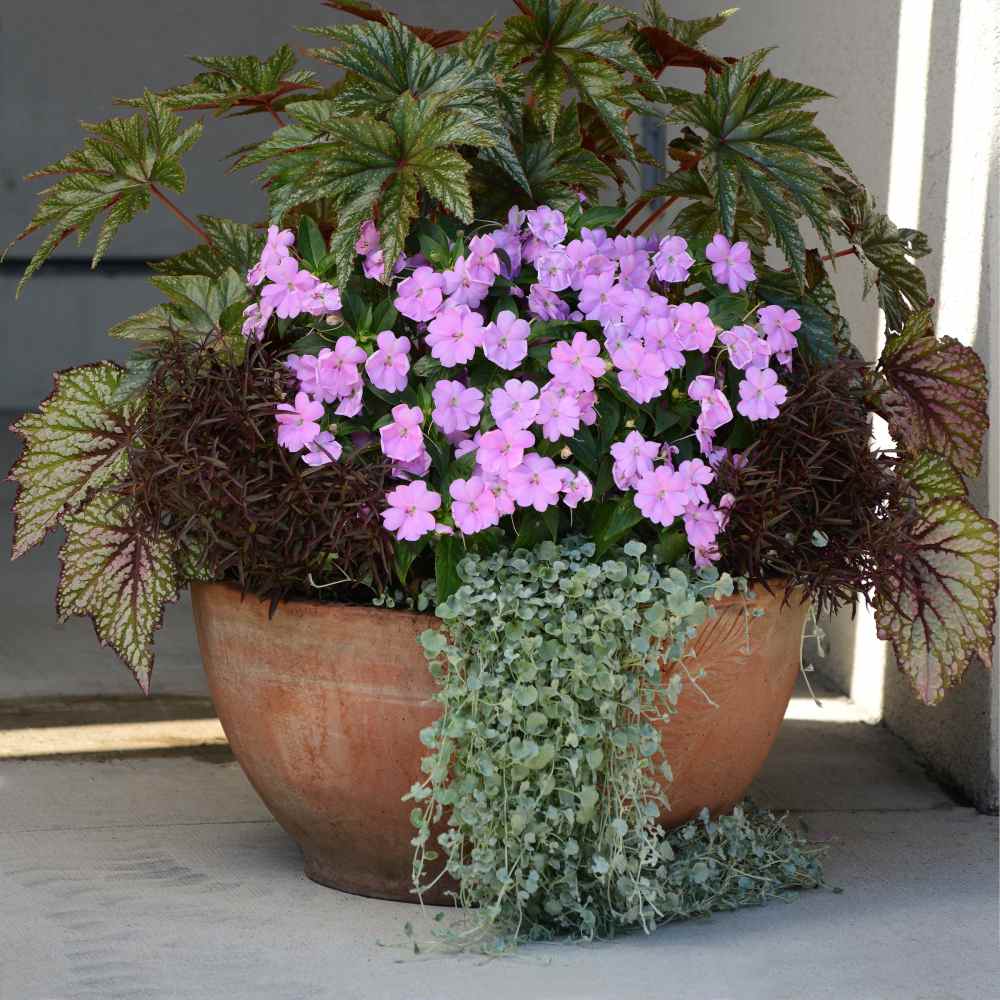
(323, 705)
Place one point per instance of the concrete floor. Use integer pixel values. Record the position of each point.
(129, 872)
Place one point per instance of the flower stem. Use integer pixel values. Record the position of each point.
(189, 222)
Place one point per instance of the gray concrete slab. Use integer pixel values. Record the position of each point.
(148, 879)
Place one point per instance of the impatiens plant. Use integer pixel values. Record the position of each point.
(457, 332)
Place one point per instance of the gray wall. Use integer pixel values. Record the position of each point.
(916, 115)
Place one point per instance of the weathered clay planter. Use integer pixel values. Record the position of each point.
(323, 705)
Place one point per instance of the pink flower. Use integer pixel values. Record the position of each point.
(672, 261)
(322, 450)
(456, 407)
(536, 482)
(483, 262)
(546, 304)
(497, 485)
(547, 224)
(389, 365)
(254, 321)
(602, 242)
(745, 347)
(730, 263)
(515, 404)
(454, 336)
(661, 338)
(634, 271)
(420, 295)
(322, 299)
(350, 406)
(509, 241)
(288, 289)
(701, 525)
(468, 445)
(576, 488)
(409, 514)
(779, 326)
(505, 341)
(640, 372)
(599, 298)
(368, 238)
(643, 308)
(558, 414)
(694, 328)
(275, 250)
(554, 271)
(333, 373)
(474, 507)
(661, 495)
(694, 475)
(760, 394)
(416, 468)
(503, 449)
(715, 408)
(298, 422)
(633, 459)
(576, 255)
(403, 439)
(577, 363)
(464, 286)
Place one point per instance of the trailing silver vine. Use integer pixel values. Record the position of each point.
(543, 763)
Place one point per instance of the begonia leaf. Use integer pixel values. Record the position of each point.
(937, 394)
(936, 598)
(120, 571)
(75, 444)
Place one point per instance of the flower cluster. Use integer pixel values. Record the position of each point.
(289, 290)
(510, 350)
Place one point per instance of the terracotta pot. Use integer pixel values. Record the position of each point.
(323, 705)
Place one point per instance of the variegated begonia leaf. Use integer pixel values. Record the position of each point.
(120, 571)
(937, 394)
(932, 476)
(936, 599)
(74, 445)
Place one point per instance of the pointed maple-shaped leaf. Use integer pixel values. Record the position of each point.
(387, 59)
(569, 45)
(936, 593)
(238, 85)
(121, 163)
(119, 570)
(369, 167)
(886, 251)
(76, 443)
(937, 394)
(761, 146)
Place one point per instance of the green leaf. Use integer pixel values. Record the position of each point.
(937, 396)
(110, 176)
(233, 245)
(728, 311)
(310, 243)
(75, 444)
(448, 553)
(238, 85)
(120, 571)
(612, 521)
(762, 147)
(936, 596)
(406, 554)
(886, 252)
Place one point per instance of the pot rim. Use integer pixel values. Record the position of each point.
(774, 587)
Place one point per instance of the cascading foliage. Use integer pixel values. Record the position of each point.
(429, 135)
(543, 764)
